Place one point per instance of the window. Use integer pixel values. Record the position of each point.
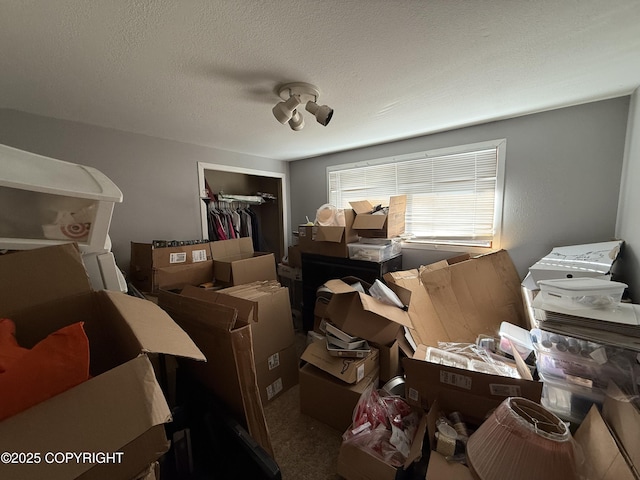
(454, 195)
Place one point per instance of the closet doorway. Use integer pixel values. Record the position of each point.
(238, 181)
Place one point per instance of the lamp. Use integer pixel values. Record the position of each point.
(522, 440)
(295, 94)
(283, 111)
(322, 113)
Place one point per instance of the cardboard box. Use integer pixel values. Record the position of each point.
(390, 366)
(278, 373)
(348, 370)
(122, 407)
(622, 414)
(472, 393)
(235, 262)
(329, 400)
(331, 241)
(357, 464)
(459, 299)
(225, 337)
(601, 454)
(439, 468)
(589, 260)
(380, 225)
(361, 315)
(168, 268)
(265, 305)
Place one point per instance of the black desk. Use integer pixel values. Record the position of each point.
(317, 269)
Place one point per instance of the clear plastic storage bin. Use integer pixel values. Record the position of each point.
(374, 252)
(568, 401)
(47, 201)
(580, 293)
(566, 359)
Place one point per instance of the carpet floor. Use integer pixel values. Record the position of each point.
(304, 448)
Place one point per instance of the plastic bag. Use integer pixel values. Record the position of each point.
(383, 425)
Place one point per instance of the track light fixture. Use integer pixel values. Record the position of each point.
(294, 95)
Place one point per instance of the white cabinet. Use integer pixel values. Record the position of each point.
(44, 201)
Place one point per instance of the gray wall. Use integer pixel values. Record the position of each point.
(563, 171)
(628, 224)
(158, 178)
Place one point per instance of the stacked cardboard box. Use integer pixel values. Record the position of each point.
(359, 315)
(246, 332)
(328, 240)
(152, 269)
(331, 386)
(121, 408)
(225, 262)
(384, 223)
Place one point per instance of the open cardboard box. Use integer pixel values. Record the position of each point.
(235, 262)
(152, 269)
(361, 315)
(458, 299)
(349, 370)
(355, 463)
(473, 393)
(224, 334)
(328, 240)
(380, 225)
(265, 306)
(122, 407)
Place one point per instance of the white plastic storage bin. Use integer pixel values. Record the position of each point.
(47, 201)
(570, 402)
(374, 252)
(578, 293)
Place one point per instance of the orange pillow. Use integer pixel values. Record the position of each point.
(54, 365)
(10, 351)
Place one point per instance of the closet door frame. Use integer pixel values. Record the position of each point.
(202, 166)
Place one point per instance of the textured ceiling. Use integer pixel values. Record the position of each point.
(206, 71)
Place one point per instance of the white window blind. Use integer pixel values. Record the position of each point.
(453, 195)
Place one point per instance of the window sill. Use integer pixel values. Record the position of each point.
(417, 245)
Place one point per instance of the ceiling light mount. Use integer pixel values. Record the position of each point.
(305, 91)
(300, 93)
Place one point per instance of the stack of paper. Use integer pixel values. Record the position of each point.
(617, 327)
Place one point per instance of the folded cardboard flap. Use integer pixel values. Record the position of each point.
(349, 370)
(55, 272)
(235, 262)
(245, 311)
(363, 316)
(79, 420)
(601, 456)
(390, 224)
(622, 414)
(94, 416)
(232, 248)
(154, 329)
(230, 371)
(456, 302)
